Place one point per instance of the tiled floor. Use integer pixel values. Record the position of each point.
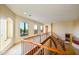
(16, 50)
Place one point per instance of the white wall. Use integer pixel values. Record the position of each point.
(20, 19)
(76, 28)
(6, 42)
(4, 11)
(62, 27)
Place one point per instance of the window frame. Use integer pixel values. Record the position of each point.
(24, 34)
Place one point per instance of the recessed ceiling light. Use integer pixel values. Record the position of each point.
(25, 13)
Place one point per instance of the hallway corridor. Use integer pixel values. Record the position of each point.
(47, 27)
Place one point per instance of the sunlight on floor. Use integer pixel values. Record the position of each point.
(16, 50)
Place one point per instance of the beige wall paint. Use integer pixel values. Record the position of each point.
(49, 27)
(6, 12)
(60, 28)
(76, 30)
(20, 19)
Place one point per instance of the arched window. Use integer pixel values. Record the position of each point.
(24, 28)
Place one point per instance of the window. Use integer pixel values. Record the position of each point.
(35, 29)
(24, 29)
(3, 28)
(6, 28)
(41, 28)
(3, 32)
(6, 31)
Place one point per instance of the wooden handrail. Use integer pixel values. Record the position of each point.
(33, 50)
(35, 35)
(60, 41)
(38, 45)
(51, 49)
(55, 35)
(42, 46)
(58, 38)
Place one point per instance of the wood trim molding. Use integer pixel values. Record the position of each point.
(43, 46)
(36, 48)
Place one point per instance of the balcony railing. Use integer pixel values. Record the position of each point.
(38, 38)
(41, 44)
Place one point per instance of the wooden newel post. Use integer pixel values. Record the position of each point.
(70, 41)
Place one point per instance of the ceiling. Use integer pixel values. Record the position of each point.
(46, 13)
